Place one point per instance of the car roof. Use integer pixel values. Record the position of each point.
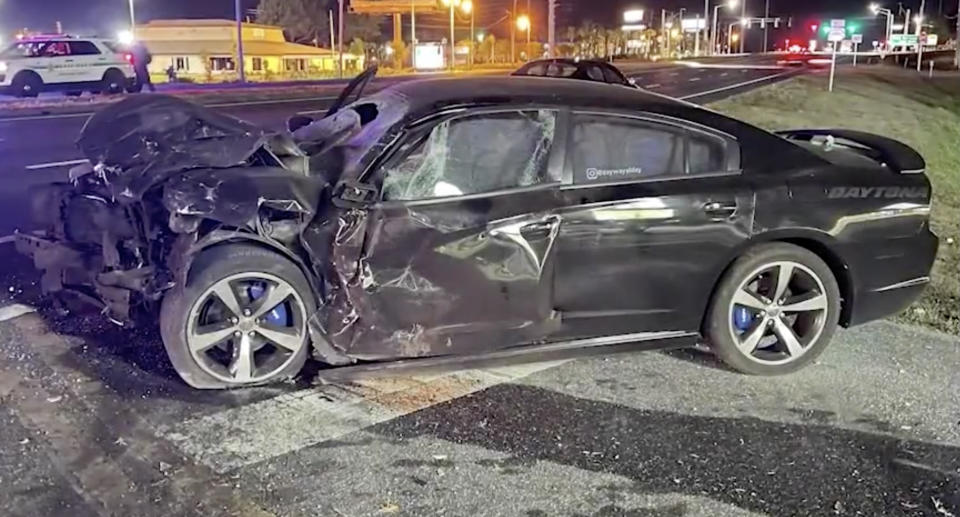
(425, 95)
(569, 61)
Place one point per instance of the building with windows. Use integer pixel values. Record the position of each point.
(206, 51)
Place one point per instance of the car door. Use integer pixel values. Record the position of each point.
(87, 63)
(654, 207)
(457, 253)
(52, 62)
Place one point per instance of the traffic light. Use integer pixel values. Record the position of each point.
(852, 28)
(814, 27)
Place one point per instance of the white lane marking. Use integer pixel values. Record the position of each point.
(692, 79)
(653, 85)
(215, 105)
(257, 432)
(694, 64)
(7, 239)
(15, 310)
(724, 74)
(738, 85)
(52, 165)
(674, 74)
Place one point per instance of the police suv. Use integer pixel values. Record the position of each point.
(63, 63)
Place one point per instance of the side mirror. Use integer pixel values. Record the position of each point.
(298, 121)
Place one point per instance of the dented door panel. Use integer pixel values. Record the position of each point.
(451, 276)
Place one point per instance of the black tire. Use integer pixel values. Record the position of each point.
(27, 84)
(718, 326)
(210, 267)
(73, 93)
(113, 82)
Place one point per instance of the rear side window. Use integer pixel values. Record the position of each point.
(474, 154)
(561, 70)
(83, 48)
(594, 73)
(612, 76)
(610, 149)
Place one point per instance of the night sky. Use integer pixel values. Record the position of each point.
(107, 16)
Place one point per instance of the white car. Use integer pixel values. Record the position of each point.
(68, 64)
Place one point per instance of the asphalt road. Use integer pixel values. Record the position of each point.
(94, 422)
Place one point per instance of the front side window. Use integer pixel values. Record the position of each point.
(474, 154)
(612, 76)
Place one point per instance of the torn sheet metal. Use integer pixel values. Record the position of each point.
(144, 139)
(235, 196)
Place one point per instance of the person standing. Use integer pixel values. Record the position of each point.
(142, 58)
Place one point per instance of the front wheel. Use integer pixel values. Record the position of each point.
(241, 320)
(775, 310)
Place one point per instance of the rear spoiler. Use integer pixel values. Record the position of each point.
(888, 152)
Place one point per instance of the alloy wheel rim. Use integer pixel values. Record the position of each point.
(778, 312)
(247, 327)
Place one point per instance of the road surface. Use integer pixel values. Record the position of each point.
(94, 422)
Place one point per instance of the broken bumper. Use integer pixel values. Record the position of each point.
(77, 273)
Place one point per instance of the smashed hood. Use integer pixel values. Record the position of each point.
(145, 139)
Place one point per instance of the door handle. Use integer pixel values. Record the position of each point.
(546, 224)
(718, 209)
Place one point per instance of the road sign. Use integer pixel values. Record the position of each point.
(903, 40)
(838, 24)
(836, 35)
(932, 39)
(857, 38)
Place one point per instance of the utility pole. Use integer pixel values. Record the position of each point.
(696, 38)
(956, 55)
(241, 72)
(413, 33)
(920, 33)
(766, 27)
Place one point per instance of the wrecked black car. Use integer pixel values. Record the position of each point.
(455, 218)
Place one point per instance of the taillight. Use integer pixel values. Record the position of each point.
(128, 57)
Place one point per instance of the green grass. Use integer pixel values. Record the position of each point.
(899, 104)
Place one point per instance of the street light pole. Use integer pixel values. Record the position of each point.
(766, 27)
(133, 20)
(743, 28)
(452, 44)
(241, 71)
(706, 24)
(339, 38)
(513, 33)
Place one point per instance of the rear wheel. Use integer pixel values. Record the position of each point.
(27, 84)
(775, 310)
(241, 320)
(113, 82)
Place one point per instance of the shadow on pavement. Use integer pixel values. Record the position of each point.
(761, 466)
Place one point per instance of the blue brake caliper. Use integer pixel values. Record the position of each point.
(742, 318)
(278, 316)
